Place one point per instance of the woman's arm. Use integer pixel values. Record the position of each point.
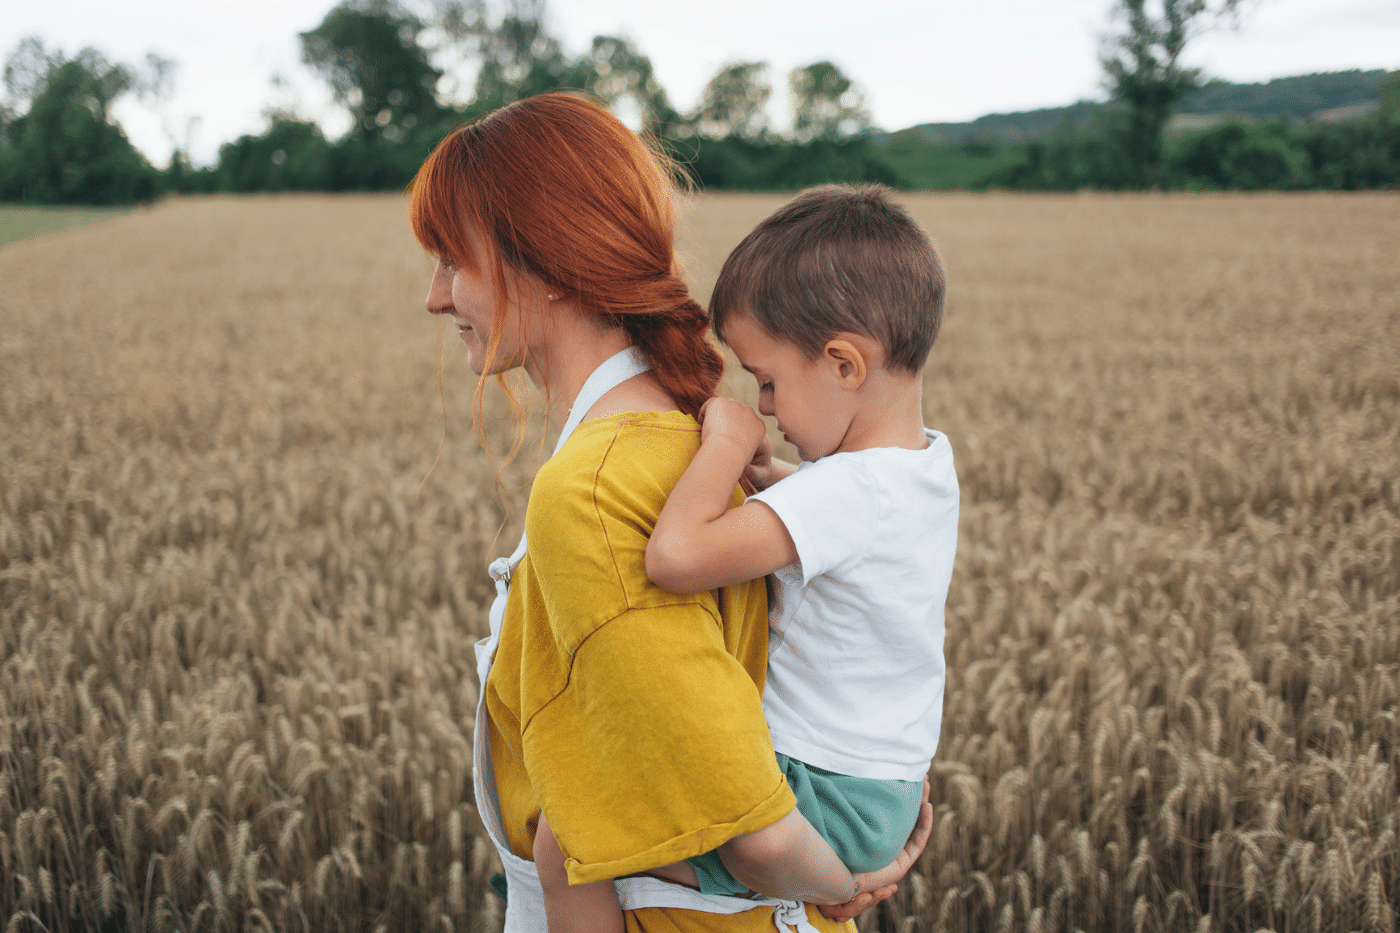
(589, 908)
(699, 543)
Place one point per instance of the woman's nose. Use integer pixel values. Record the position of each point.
(439, 299)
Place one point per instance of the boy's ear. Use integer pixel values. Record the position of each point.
(848, 360)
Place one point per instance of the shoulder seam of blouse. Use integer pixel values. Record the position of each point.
(603, 527)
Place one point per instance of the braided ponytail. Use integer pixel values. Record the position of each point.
(683, 358)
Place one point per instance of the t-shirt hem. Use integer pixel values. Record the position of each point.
(852, 766)
(679, 848)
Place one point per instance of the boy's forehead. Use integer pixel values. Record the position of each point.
(729, 320)
(747, 338)
(740, 314)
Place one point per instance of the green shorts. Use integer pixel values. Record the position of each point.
(866, 821)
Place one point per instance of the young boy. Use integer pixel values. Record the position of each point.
(832, 304)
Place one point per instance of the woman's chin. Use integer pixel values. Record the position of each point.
(475, 356)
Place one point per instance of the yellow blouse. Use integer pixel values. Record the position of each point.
(629, 714)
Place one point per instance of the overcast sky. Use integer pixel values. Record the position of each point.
(917, 61)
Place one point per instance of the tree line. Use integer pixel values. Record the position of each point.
(58, 143)
(1125, 144)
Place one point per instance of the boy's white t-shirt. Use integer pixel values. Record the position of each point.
(855, 657)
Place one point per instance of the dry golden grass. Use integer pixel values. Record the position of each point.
(236, 681)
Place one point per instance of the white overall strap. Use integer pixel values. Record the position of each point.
(637, 892)
(525, 907)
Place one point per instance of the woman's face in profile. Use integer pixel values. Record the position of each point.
(470, 298)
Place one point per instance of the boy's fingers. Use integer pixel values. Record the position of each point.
(763, 452)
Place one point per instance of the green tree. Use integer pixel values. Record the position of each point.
(827, 105)
(27, 70)
(1144, 71)
(369, 52)
(1354, 154)
(615, 70)
(65, 149)
(290, 156)
(735, 103)
(1243, 156)
(1390, 96)
(517, 56)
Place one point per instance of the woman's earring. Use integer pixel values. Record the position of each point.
(550, 297)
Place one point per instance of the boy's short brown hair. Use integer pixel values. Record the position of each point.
(838, 259)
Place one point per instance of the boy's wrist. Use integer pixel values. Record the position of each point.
(732, 446)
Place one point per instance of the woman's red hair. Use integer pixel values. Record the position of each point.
(558, 187)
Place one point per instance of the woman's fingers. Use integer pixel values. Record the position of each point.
(857, 905)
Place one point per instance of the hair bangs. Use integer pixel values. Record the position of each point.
(440, 202)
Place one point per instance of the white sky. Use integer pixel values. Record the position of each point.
(918, 61)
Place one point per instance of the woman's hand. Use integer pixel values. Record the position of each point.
(876, 886)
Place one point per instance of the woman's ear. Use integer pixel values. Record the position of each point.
(848, 360)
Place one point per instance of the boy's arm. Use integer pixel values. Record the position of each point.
(789, 859)
(699, 543)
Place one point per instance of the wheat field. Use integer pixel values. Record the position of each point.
(237, 598)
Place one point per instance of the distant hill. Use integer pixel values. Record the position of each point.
(1305, 97)
(1325, 97)
(1006, 127)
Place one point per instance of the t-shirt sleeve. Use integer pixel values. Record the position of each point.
(657, 750)
(830, 509)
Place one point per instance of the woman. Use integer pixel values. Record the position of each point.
(628, 714)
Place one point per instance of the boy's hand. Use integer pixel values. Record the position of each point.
(759, 472)
(735, 422)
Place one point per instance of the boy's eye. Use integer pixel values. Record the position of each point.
(765, 387)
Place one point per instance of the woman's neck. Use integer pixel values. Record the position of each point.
(573, 346)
